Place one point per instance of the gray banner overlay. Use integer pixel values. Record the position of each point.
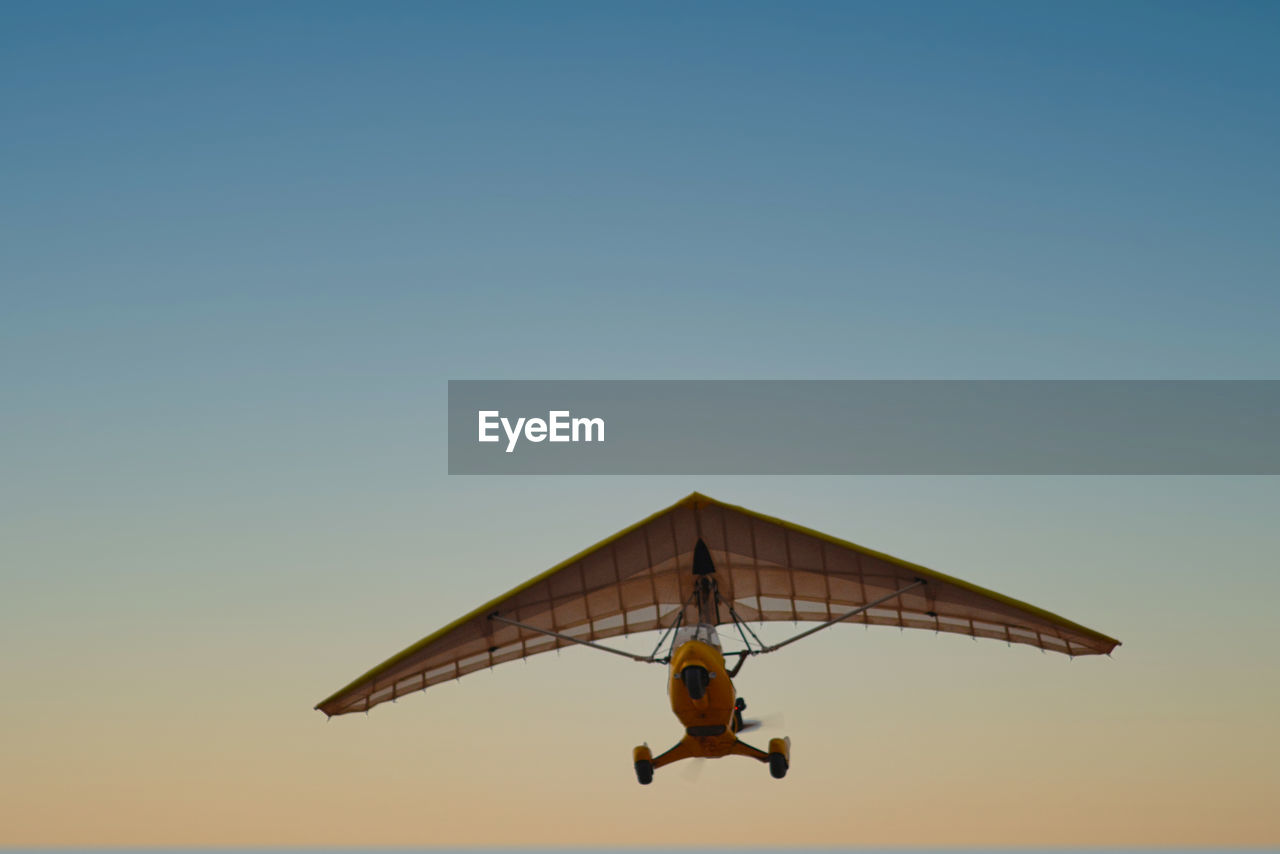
(864, 427)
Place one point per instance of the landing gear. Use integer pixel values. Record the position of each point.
(779, 757)
(643, 757)
(777, 765)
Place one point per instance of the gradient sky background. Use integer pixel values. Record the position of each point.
(245, 245)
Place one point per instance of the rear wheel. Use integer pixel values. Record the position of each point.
(644, 771)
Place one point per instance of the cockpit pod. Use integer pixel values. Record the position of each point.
(701, 660)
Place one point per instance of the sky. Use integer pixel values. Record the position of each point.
(245, 246)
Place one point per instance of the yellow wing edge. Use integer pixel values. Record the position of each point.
(914, 567)
(493, 603)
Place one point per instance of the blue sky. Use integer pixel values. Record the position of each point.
(245, 245)
(245, 224)
(935, 190)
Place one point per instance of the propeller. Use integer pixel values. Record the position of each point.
(692, 769)
(749, 724)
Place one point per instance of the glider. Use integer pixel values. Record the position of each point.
(685, 570)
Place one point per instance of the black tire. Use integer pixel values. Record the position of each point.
(777, 765)
(644, 771)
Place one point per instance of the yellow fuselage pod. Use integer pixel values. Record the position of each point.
(709, 721)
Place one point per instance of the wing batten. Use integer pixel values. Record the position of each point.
(641, 579)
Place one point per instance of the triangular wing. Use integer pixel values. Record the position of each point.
(641, 578)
